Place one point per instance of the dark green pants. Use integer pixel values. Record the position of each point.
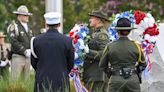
(96, 86)
(119, 84)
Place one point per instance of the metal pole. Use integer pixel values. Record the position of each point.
(55, 6)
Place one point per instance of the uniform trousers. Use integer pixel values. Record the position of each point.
(20, 67)
(96, 86)
(118, 84)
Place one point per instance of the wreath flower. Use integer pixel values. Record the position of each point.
(80, 37)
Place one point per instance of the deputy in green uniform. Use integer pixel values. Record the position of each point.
(4, 61)
(93, 77)
(119, 61)
(20, 33)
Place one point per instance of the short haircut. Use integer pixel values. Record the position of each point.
(124, 33)
(53, 25)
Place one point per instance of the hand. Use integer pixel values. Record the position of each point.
(28, 53)
(3, 63)
(86, 49)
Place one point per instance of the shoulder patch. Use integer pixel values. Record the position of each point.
(12, 35)
(11, 28)
(103, 36)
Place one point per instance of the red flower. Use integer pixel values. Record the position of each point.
(76, 37)
(139, 15)
(71, 34)
(75, 41)
(75, 49)
(152, 30)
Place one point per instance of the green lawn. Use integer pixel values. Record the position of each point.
(17, 86)
(21, 86)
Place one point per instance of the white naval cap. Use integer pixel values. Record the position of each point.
(52, 17)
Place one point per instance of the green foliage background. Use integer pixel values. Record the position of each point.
(37, 7)
(76, 11)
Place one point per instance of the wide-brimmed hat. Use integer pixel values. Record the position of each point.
(2, 35)
(124, 24)
(99, 14)
(22, 10)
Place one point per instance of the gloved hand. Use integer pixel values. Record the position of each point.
(27, 53)
(3, 63)
(86, 49)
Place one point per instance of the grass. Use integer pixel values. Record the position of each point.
(17, 86)
(22, 85)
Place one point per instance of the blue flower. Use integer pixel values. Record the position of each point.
(112, 32)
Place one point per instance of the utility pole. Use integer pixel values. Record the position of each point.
(55, 6)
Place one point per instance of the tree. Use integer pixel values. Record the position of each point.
(76, 11)
(156, 7)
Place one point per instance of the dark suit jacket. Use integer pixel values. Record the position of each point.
(55, 60)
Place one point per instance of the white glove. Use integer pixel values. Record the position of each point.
(27, 53)
(86, 49)
(3, 63)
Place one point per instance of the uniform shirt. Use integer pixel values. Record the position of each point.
(98, 41)
(120, 53)
(25, 26)
(19, 38)
(96, 46)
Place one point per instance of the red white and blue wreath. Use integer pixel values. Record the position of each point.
(80, 37)
(145, 23)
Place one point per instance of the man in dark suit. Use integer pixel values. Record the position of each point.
(52, 57)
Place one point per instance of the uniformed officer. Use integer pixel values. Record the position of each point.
(52, 57)
(20, 34)
(4, 62)
(123, 55)
(93, 77)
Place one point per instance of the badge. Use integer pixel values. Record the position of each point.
(22, 33)
(30, 32)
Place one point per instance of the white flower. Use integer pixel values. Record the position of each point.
(151, 20)
(84, 34)
(76, 56)
(115, 22)
(75, 28)
(149, 15)
(147, 37)
(117, 15)
(153, 39)
(143, 25)
(82, 46)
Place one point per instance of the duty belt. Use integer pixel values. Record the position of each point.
(124, 72)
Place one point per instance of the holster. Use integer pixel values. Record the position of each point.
(139, 73)
(108, 72)
(10, 53)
